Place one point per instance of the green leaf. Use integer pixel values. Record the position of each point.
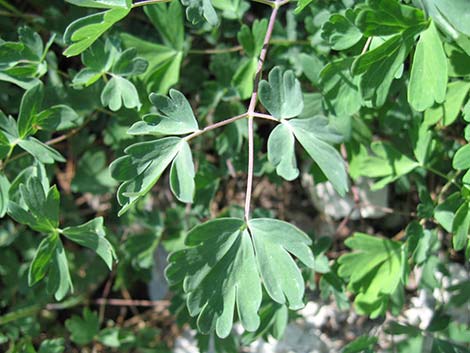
(92, 235)
(460, 227)
(168, 20)
(57, 118)
(373, 271)
(39, 150)
(4, 196)
(174, 116)
(244, 77)
(456, 12)
(182, 174)
(82, 33)
(387, 163)
(281, 152)
(450, 110)
(301, 4)
(340, 89)
(83, 330)
(364, 344)
(214, 290)
(340, 30)
(141, 168)
(316, 136)
(235, 273)
(274, 241)
(55, 345)
(386, 17)
(29, 108)
(457, 60)
(428, 80)
(378, 67)
(119, 91)
(461, 158)
(102, 4)
(273, 321)
(164, 63)
(42, 259)
(128, 64)
(281, 95)
(59, 280)
(252, 40)
(199, 10)
(444, 213)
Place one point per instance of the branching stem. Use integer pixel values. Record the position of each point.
(215, 126)
(251, 108)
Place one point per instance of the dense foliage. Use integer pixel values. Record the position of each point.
(127, 128)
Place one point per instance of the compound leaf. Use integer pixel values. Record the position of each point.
(373, 271)
(220, 269)
(281, 95)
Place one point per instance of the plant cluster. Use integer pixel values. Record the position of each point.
(141, 115)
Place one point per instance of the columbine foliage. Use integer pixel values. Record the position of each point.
(183, 97)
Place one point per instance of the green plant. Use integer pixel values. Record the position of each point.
(356, 89)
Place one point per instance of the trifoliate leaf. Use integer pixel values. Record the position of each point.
(340, 31)
(119, 91)
(235, 273)
(83, 330)
(82, 33)
(57, 118)
(92, 235)
(141, 168)
(182, 174)
(281, 152)
(428, 80)
(386, 17)
(174, 116)
(29, 108)
(373, 271)
(316, 136)
(281, 95)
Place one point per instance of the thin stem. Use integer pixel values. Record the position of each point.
(366, 46)
(147, 2)
(442, 175)
(216, 50)
(264, 116)
(251, 108)
(266, 2)
(215, 126)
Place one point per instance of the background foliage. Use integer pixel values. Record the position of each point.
(131, 127)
